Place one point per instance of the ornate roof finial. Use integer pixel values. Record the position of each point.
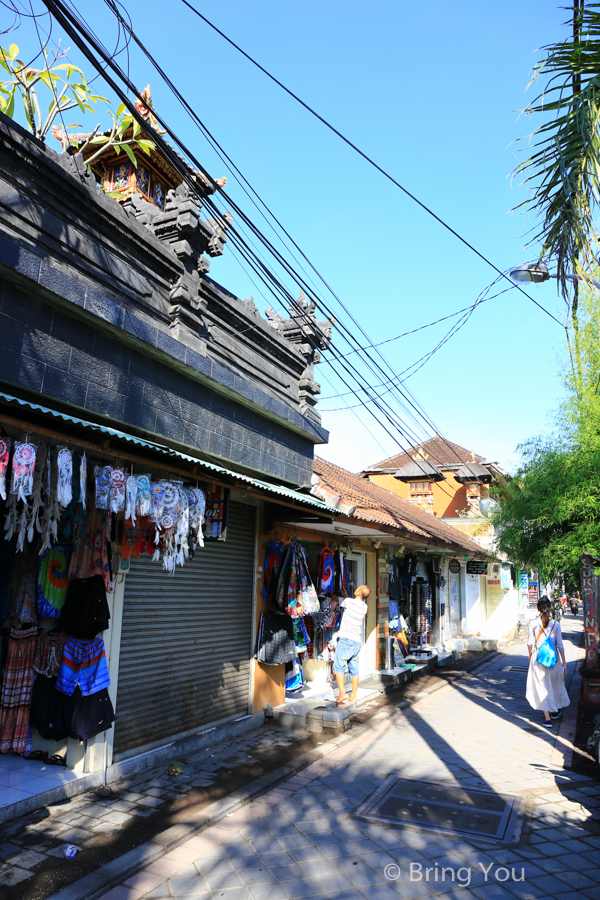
(145, 109)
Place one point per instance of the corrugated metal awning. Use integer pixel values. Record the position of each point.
(266, 487)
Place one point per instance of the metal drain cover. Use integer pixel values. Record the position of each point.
(515, 669)
(440, 808)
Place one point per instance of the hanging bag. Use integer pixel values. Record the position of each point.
(547, 654)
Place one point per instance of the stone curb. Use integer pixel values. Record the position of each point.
(93, 886)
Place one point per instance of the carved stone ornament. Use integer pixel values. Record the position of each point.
(190, 238)
(310, 336)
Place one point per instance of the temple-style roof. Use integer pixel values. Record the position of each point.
(473, 471)
(437, 450)
(419, 470)
(153, 176)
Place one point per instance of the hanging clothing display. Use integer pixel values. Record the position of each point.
(56, 572)
(49, 653)
(326, 570)
(296, 594)
(275, 644)
(293, 676)
(84, 666)
(90, 556)
(53, 579)
(272, 568)
(85, 612)
(17, 685)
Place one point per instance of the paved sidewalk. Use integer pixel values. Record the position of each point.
(301, 840)
(34, 842)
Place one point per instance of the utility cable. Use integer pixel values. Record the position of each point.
(61, 14)
(367, 158)
(112, 5)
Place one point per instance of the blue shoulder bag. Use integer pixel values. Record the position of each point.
(547, 655)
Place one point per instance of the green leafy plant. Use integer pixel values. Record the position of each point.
(118, 137)
(65, 82)
(69, 90)
(549, 511)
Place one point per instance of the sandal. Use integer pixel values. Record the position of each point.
(57, 760)
(344, 702)
(40, 755)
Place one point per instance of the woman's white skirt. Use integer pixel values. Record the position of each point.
(546, 687)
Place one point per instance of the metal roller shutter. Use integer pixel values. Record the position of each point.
(186, 640)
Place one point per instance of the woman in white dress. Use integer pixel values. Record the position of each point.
(546, 687)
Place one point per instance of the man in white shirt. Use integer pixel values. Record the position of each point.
(349, 642)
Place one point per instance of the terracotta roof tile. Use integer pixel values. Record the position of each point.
(436, 449)
(374, 504)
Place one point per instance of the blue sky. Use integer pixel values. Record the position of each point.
(432, 92)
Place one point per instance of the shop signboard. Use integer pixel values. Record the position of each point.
(477, 567)
(454, 566)
(505, 578)
(495, 594)
(590, 624)
(524, 589)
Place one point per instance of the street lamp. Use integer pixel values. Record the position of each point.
(538, 272)
(535, 272)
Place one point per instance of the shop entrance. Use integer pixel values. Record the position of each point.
(454, 602)
(186, 641)
(356, 565)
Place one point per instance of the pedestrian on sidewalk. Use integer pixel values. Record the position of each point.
(546, 689)
(349, 642)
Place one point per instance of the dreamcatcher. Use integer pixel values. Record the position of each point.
(4, 458)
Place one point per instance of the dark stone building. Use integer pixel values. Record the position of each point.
(109, 310)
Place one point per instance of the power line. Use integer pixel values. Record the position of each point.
(113, 6)
(64, 17)
(366, 157)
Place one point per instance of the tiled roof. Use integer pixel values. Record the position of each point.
(436, 449)
(375, 504)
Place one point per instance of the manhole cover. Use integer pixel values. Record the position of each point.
(437, 807)
(515, 669)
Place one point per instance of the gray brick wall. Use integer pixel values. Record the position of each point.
(48, 352)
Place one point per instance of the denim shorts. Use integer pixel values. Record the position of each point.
(346, 654)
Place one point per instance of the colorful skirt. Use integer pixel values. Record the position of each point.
(17, 687)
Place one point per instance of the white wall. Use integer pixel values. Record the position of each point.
(473, 604)
(505, 617)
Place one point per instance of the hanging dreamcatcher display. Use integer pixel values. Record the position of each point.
(162, 518)
(83, 480)
(157, 501)
(64, 483)
(37, 499)
(117, 490)
(182, 530)
(103, 475)
(4, 459)
(143, 503)
(22, 469)
(131, 492)
(52, 510)
(168, 525)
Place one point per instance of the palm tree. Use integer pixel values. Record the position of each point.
(563, 171)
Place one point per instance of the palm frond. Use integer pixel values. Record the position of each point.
(563, 171)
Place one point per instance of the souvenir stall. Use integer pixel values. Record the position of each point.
(413, 609)
(304, 582)
(67, 516)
